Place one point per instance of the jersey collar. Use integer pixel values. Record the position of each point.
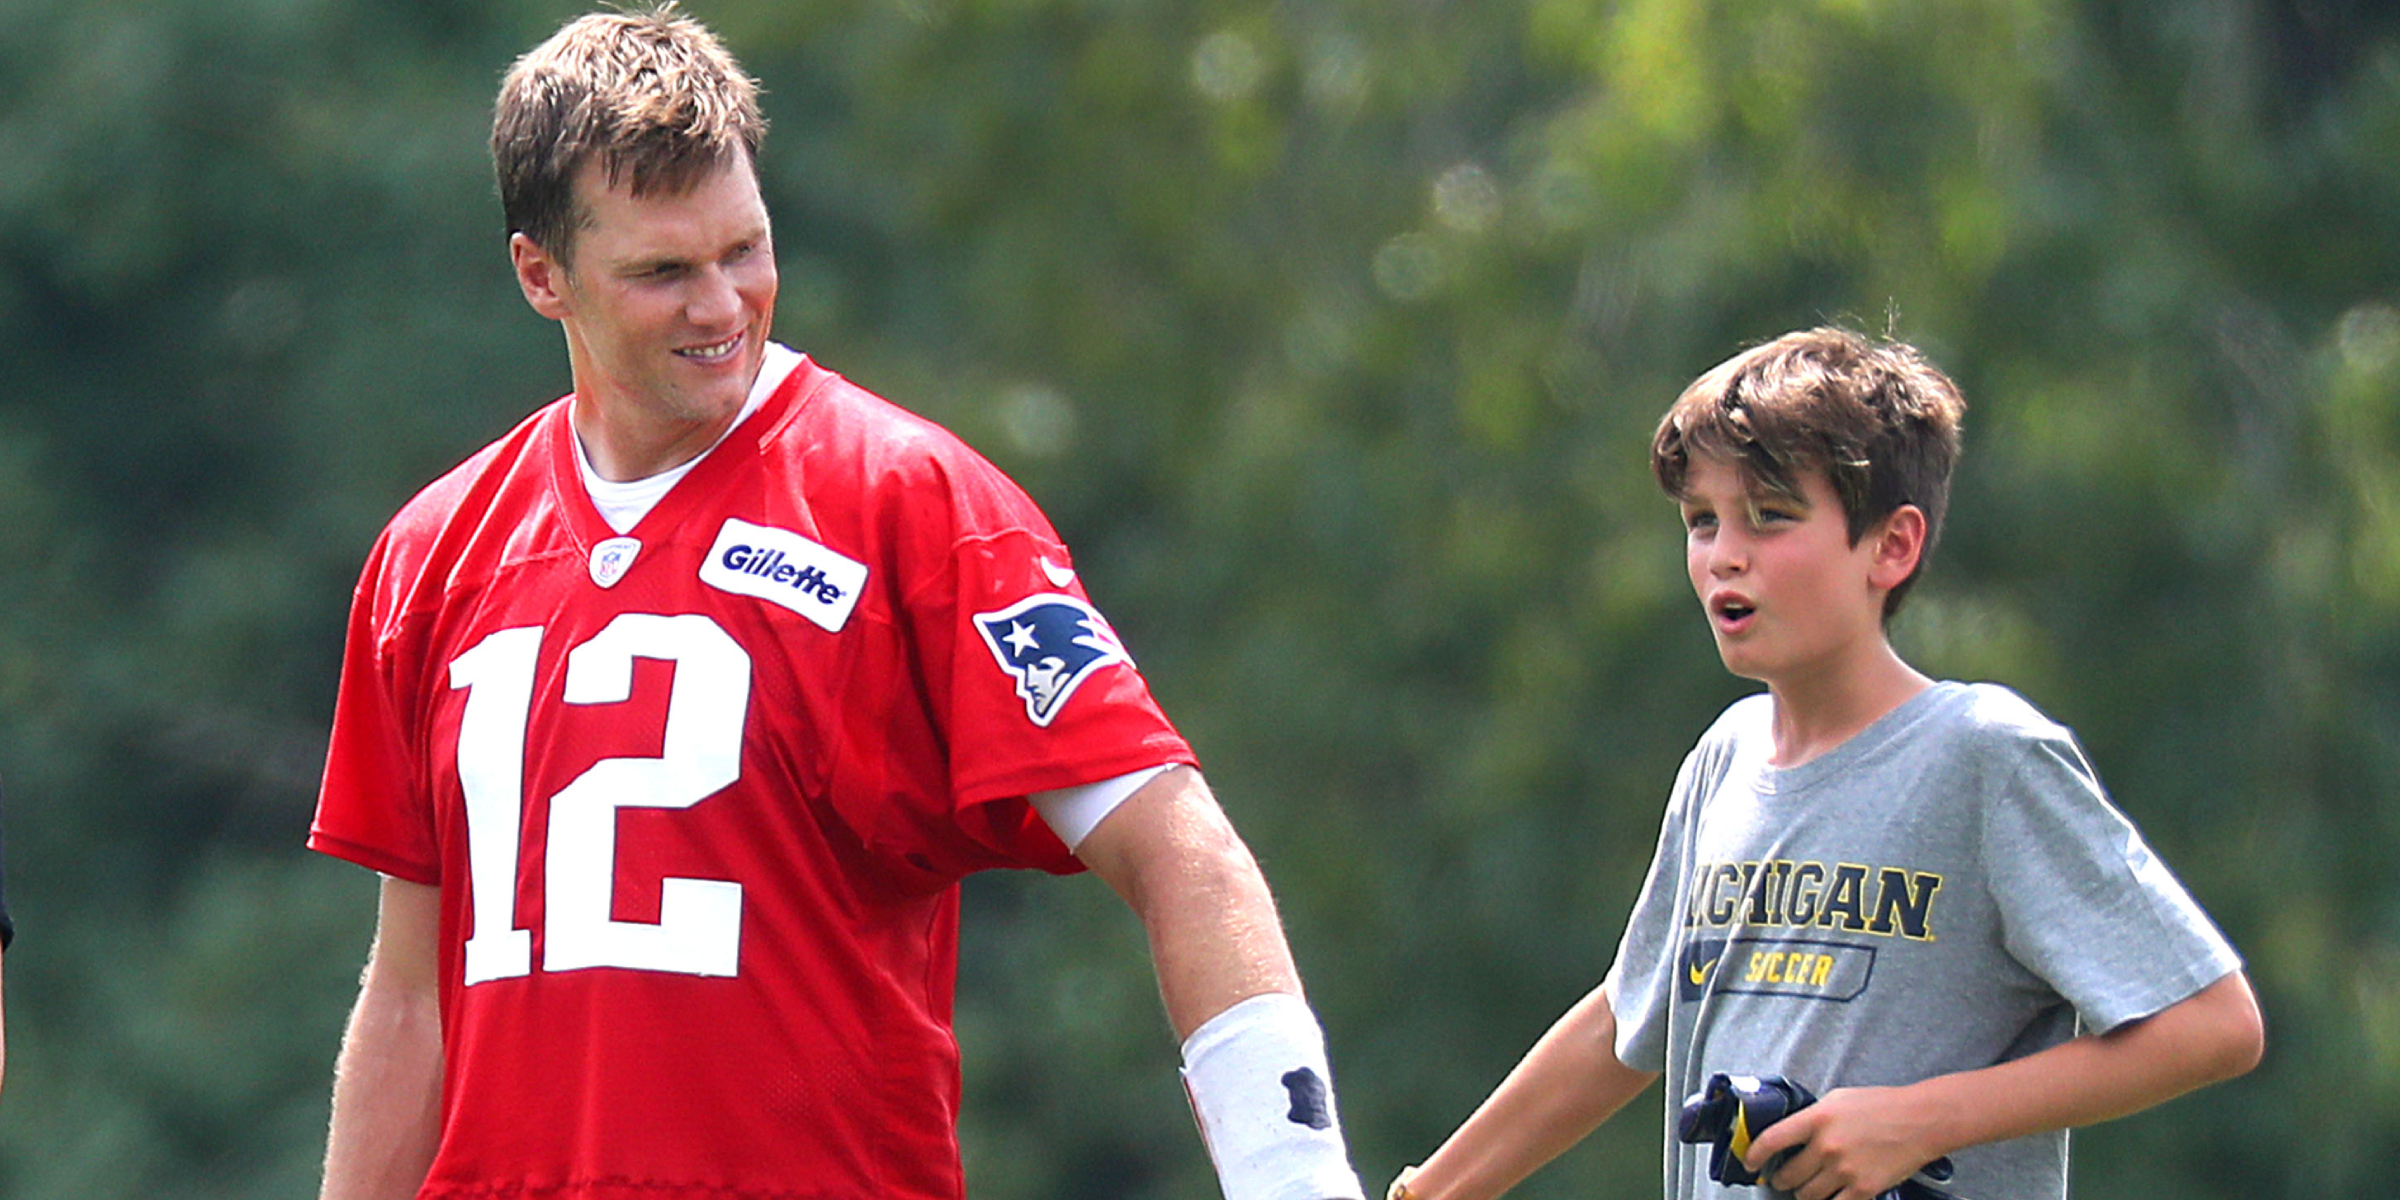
(784, 378)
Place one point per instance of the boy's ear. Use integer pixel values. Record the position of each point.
(542, 278)
(1899, 543)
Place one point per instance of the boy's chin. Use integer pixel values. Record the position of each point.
(1740, 663)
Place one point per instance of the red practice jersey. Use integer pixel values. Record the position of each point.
(697, 799)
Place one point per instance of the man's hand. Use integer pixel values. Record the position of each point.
(1852, 1144)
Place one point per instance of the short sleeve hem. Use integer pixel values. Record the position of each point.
(373, 859)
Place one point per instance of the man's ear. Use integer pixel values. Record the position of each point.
(541, 277)
(1899, 543)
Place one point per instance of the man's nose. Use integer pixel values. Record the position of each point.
(714, 299)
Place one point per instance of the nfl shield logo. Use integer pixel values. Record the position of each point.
(612, 558)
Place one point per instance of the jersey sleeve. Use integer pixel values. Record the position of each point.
(1031, 687)
(1044, 694)
(371, 807)
(2084, 902)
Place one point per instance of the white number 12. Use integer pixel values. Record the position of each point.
(699, 930)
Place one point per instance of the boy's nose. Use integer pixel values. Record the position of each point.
(1728, 556)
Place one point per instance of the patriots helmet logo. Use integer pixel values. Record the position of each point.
(1050, 643)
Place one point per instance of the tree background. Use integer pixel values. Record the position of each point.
(1331, 335)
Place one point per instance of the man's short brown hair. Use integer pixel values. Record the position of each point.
(1880, 421)
(653, 93)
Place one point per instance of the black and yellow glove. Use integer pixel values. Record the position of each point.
(1733, 1110)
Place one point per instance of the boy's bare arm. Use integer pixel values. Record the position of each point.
(1564, 1088)
(1857, 1142)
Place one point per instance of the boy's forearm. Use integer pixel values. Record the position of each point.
(2213, 1035)
(1564, 1087)
(1860, 1141)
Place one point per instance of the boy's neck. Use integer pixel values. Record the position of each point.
(1815, 713)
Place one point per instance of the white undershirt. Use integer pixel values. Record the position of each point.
(1072, 813)
(623, 505)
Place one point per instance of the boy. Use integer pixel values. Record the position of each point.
(1904, 895)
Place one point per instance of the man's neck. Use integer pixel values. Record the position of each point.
(626, 446)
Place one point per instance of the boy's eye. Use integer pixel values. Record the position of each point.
(1699, 522)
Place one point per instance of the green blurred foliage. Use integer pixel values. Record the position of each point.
(1332, 336)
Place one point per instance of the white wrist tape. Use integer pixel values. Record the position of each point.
(1263, 1094)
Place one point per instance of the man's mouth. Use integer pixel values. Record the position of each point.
(713, 354)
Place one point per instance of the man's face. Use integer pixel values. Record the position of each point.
(666, 306)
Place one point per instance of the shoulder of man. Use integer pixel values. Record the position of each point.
(437, 503)
(841, 429)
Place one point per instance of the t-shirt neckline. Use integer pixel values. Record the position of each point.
(1772, 780)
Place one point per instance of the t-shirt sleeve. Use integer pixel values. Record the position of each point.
(371, 807)
(1641, 982)
(2084, 902)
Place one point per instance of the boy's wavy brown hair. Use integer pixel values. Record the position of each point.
(1880, 421)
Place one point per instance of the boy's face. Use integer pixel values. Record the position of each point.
(1788, 596)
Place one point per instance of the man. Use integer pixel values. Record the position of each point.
(672, 718)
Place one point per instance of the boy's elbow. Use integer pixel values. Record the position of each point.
(2252, 1048)
(2241, 1041)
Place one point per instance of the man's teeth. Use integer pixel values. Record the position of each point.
(720, 350)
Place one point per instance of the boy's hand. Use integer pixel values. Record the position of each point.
(1853, 1144)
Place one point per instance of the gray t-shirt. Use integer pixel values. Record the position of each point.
(1948, 889)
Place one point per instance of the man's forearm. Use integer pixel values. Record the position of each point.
(1254, 1058)
(386, 1101)
(387, 1084)
(1215, 937)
